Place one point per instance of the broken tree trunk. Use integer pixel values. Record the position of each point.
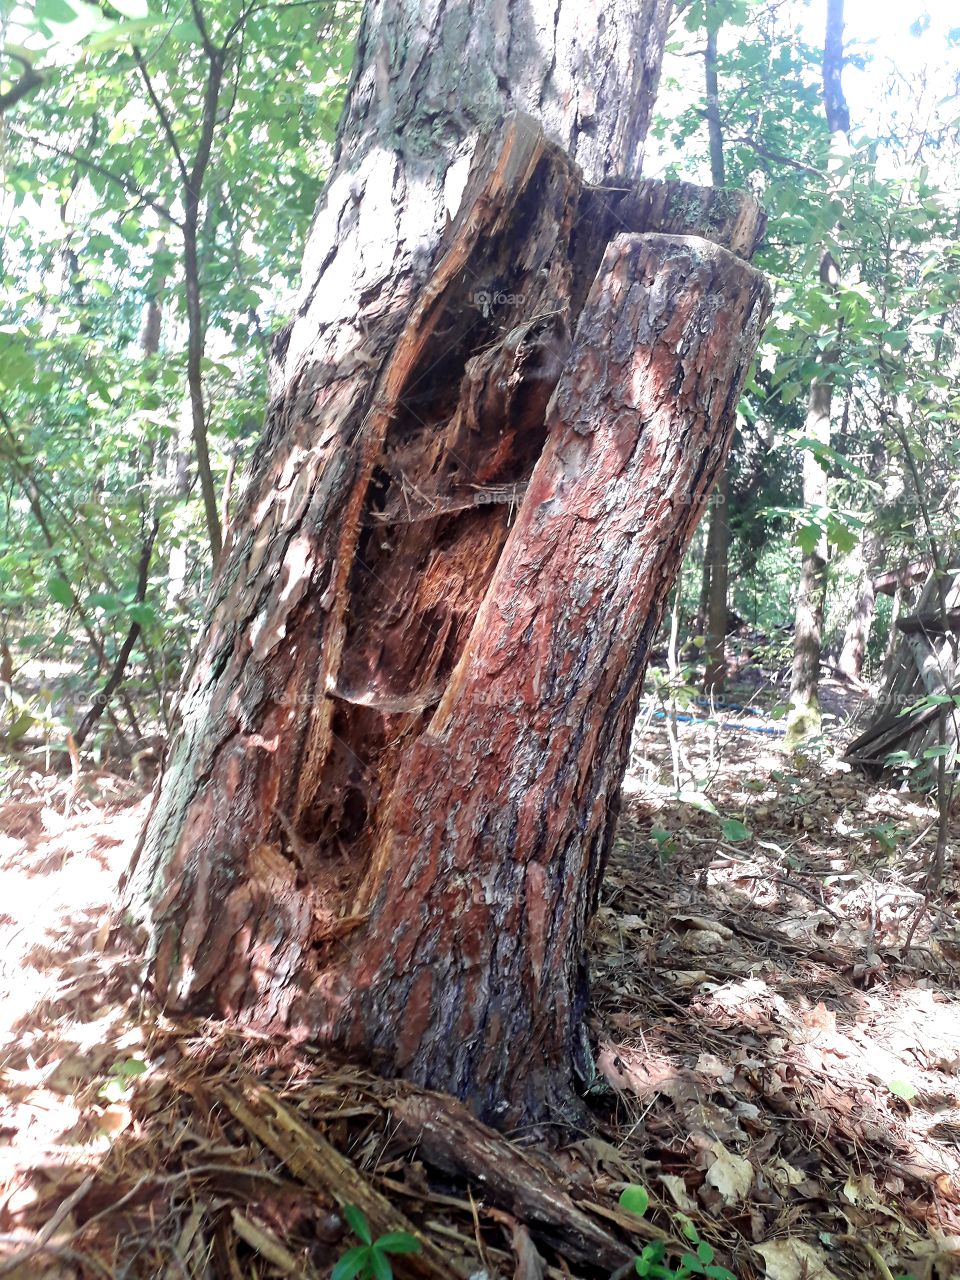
(904, 724)
(383, 823)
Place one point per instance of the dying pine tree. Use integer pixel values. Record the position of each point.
(497, 414)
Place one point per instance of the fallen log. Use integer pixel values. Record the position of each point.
(931, 624)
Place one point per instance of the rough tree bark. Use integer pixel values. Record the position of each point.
(502, 402)
(803, 720)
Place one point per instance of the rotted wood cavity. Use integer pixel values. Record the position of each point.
(427, 642)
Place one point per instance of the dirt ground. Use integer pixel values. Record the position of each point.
(776, 1021)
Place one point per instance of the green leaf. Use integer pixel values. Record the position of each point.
(697, 800)
(113, 1091)
(59, 590)
(688, 1227)
(143, 614)
(352, 1263)
(19, 725)
(58, 11)
(705, 1251)
(132, 8)
(902, 1089)
(733, 829)
(635, 1199)
(128, 1068)
(398, 1242)
(808, 535)
(102, 600)
(380, 1265)
(357, 1223)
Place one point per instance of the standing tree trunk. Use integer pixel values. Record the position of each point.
(803, 720)
(503, 396)
(857, 635)
(718, 612)
(717, 555)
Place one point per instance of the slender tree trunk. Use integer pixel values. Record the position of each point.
(192, 177)
(195, 343)
(703, 602)
(804, 717)
(857, 634)
(718, 614)
(716, 558)
(150, 333)
(803, 720)
(505, 394)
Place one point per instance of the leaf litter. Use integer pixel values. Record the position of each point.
(776, 1067)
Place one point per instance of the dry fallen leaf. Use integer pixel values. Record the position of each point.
(784, 1175)
(730, 1174)
(678, 1192)
(861, 1190)
(704, 923)
(821, 1018)
(794, 1260)
(114, 1119)
(703, 941)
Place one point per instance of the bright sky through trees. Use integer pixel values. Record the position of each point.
(917, 42)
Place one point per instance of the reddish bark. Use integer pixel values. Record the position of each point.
(384, 820)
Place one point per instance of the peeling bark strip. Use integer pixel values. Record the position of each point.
(502, 404)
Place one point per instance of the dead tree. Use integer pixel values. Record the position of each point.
(906, 723)
(496, 417)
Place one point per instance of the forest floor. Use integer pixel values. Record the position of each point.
(777, 1022)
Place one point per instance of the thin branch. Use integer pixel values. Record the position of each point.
(774, 158)
(228, 110)
(30, 80)
(239, 25)
(162, 114)
(101, 700)
(126, 184)
(209, 48)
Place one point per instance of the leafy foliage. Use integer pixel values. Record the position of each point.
(96, 440)
(370, 1260)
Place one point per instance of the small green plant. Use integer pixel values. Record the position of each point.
(902, 1089)
(653, 1261)
(887, 835)
(666, 845)
(732, 829)
(370, 1260)
(120, 1078)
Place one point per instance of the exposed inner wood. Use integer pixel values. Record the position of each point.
(469, 525)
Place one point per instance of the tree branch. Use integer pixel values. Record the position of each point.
(126, 184)
(165, 122)
(209, 48)
(774, 158)
(30, 80)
